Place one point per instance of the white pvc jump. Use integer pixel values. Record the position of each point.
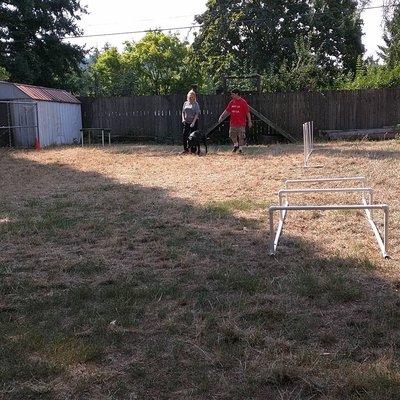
(308, 137)
(308, 140)
(367, 205)
(360, 179)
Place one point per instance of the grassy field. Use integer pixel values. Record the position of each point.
(135, 273)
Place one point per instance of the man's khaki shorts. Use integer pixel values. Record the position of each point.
(237, 134)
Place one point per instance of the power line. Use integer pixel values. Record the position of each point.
(191, 15)
(133, 32)
(143, 20)
(185, 27)
(375, 7)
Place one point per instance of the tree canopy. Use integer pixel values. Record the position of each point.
(31, 45)
(159, 63)
(293, 44)
(373, 74)
(162, 63)
(261, 36)
(390, 52)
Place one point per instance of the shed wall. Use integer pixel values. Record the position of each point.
(59, 123)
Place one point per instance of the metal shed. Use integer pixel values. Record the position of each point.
(32, 115)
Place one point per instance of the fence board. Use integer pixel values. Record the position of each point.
(159, 117)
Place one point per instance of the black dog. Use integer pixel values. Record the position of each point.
(195, 140)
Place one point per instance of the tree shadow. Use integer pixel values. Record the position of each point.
(126, 290)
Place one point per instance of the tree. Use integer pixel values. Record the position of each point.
(108, 72)
(390, 52)
(157, 64)
(372, 75)
(247, 37)
(31, 45)
(85, 82)
(4, 74)
(303, 74)
(260, 36)
(336, 27)
(163, 64)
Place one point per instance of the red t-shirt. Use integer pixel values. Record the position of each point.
(238, 109)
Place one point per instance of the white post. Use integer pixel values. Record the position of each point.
(382, 243)
(271, 232)
(324, 180)
(385, 228)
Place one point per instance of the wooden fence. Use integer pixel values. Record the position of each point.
(159, 117)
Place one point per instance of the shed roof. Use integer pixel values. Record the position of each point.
(46, 94)
(40, 93)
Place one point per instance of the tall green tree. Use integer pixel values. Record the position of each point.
(108, 72)
(336, 27)
(163, 64)
(31, 45)
(260, 36)
(390, 51)
(157, 64)
(372, 75)
(304, 73)
(4, 74)
(86, 82)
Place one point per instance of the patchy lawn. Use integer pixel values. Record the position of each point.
(133, 272)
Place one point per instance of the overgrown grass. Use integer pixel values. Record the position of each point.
(127, 275)
(225, 207)
(333, 286)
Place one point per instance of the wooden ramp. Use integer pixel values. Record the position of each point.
(262, 118)
(273, 125)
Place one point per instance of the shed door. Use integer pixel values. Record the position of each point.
(24, 120)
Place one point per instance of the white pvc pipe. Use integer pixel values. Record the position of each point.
(382, 243)
(331, 207)
(308, 140)
(321, 180)
(363, 190)
(317, 190)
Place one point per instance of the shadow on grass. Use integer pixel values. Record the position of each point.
(123, 291)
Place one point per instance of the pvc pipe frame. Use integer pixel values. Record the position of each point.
(367, 206)
(308, 138)
(360, 179)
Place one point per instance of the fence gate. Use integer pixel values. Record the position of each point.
(18, 124)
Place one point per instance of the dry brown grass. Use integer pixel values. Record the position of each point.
(133, 272)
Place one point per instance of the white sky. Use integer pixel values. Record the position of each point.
(135, 15)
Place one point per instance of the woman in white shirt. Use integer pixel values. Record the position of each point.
(190, 118)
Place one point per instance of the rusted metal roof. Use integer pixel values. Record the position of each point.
(46, 94)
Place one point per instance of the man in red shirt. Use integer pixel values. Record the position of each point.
(239, 111)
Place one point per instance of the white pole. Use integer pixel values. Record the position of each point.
(367, 207)
(324, 180)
